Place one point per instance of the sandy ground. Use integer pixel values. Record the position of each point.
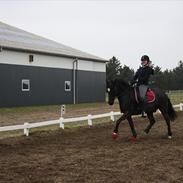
(90, 155)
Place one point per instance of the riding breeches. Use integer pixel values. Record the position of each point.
(142, 91)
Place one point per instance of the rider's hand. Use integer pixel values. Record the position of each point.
(132, 82)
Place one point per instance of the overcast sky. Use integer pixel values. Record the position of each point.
(125, 29)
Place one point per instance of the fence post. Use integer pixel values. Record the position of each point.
(89, 120)
(26, 129)
(61, 123)
(181, 106)
(112, 115)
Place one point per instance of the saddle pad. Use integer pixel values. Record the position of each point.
(150, 96)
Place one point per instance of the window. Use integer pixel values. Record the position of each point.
(31, 58)
(25, 85)
(67, 86)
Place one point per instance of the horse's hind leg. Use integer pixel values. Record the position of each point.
(151, 120)
(167, 119)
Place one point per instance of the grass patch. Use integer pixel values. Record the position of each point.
(29, 109)
(85, 123)
(14, 133)
(176, 97)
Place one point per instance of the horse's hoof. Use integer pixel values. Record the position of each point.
(133, 139)
(114, 136)
(169, 137)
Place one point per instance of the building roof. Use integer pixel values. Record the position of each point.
(17, 39)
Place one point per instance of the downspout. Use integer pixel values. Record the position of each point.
(75, 65)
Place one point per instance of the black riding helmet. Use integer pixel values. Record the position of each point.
(145, 58)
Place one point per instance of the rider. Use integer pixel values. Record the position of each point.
(142, 76)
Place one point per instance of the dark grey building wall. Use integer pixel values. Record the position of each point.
(91, 86)
(47, 86)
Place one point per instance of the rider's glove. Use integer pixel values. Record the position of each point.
(132, 82)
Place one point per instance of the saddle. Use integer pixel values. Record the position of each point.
(150, 95)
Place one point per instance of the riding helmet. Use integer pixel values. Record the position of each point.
(145, 57)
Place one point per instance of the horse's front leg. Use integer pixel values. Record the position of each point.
(130, 121)
(123, 117)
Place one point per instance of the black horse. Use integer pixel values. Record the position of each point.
(129, 106)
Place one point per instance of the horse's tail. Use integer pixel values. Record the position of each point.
(171, 112)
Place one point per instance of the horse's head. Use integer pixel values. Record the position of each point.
(112, 91)
(115, 88)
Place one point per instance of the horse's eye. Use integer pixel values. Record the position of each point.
(108, 89)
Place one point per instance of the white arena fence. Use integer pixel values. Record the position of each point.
(61, 121)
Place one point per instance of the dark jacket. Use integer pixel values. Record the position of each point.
(142, 75)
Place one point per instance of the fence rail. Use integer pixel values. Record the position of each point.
(61, 121)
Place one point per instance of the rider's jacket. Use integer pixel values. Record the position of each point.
(143, 74)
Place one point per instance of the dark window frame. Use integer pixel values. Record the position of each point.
(31, 58)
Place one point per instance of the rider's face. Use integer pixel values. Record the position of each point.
(143, 62)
